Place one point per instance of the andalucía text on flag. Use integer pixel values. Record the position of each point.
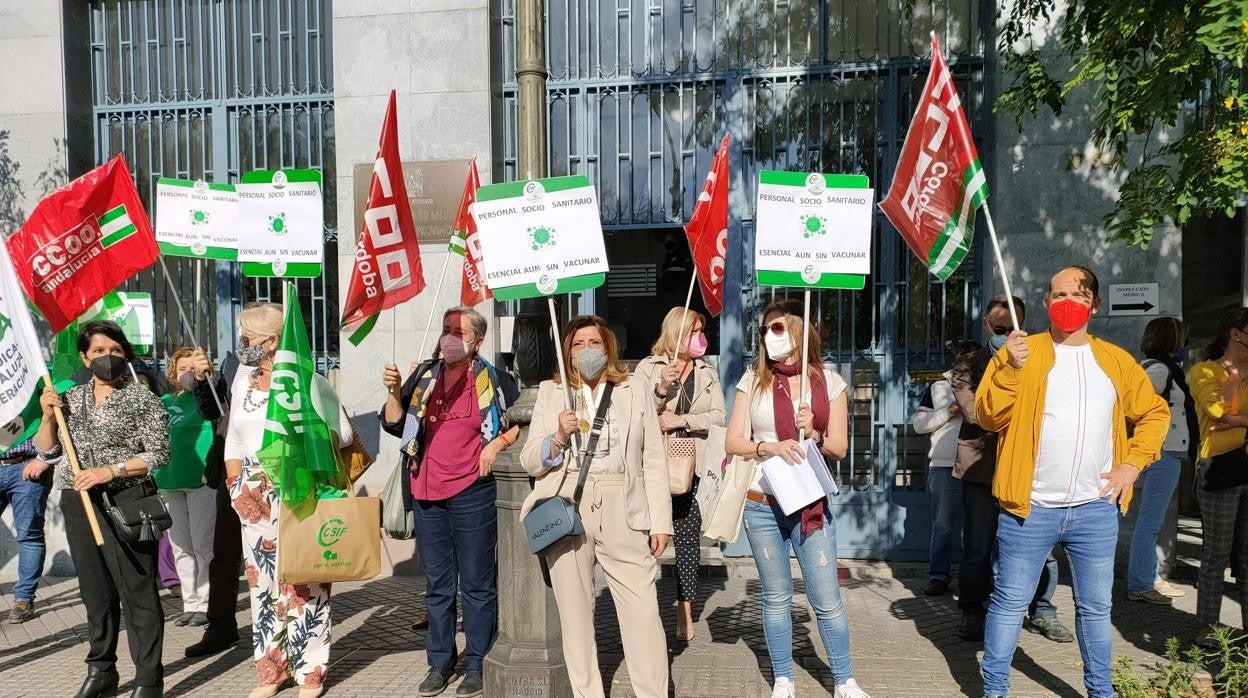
(938, 184)
(387, 268)
(82, 241)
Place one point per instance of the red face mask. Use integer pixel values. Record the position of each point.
(1069, 315)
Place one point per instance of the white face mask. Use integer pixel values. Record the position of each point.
(779, 346)
(454, 349)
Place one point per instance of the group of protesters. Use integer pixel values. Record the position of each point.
(1041, 452)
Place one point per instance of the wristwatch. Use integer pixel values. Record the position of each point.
(119, 470)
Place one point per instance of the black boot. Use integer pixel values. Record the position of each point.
(100, 683)
(147, 691)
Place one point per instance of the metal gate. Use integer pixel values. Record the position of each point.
(640, 92)
(209, 89)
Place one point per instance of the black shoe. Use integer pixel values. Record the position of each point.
(971, 628)
(1049, 627)
(434, 683)
(21, 612)
(198, 619)
(148, 691)
(99, 683)
(211, 644)
(183, 619)
(471, 686)
(936, 587)
(421, 623)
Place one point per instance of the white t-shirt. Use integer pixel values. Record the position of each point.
(1076, 434)
(763, 412)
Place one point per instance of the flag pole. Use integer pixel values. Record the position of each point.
(186, 327)
(1005, 278)
(433, 309)
(685, 316)
(563, 373)
(801, 385)
(74, 467)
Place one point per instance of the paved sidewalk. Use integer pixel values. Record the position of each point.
(904, 643)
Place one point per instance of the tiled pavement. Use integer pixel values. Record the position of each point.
(904, 643)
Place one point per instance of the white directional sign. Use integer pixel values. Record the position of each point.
(1133, 299)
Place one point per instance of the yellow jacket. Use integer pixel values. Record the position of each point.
(1206, 379)
(1011, 401)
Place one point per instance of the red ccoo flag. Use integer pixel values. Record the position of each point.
(938, 184)
(464, 243)
(707, 231)
(82, 241)
(387, 269)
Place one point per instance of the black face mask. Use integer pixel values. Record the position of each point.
(109, 369)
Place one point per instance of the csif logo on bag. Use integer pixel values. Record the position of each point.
(330, 533)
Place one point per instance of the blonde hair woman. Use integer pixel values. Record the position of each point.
(689, 400)
(766, 419)
(291, 622)
(625, 510)
(192, 505)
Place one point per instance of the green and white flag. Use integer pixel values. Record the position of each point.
(21, 359)
(297, 452)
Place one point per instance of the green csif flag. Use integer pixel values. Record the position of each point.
(297, 452)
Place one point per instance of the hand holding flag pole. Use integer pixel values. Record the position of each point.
(563, 373)
(72, 454)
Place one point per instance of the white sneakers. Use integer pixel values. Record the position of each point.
(783, 688)
(849, 689)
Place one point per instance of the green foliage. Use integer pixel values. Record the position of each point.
(1153, 66)
(1176, 677)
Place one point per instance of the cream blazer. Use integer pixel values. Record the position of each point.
(649, 503)
(706, 408)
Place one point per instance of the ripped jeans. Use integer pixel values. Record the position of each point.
(771, 534)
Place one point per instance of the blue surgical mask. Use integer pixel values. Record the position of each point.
(1181, 357)
(996, 341)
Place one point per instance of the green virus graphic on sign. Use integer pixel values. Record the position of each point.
(814, 226)
(277, 224)
(199, 217)
(541, 236)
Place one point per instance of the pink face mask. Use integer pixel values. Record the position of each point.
(696, 346)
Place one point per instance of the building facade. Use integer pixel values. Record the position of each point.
(638, 95)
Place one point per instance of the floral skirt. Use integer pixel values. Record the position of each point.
(290, 622)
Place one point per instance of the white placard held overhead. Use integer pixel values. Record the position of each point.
(196, 219)
(813, 230)
(281, 223)
(540, 237)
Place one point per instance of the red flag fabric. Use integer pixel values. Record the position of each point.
(82, 241)
(707, 231)
(464, 242)
(938, 184)
(387, 269)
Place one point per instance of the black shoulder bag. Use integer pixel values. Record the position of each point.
(555, 518)
(138, 513)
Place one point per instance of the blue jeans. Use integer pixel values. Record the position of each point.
(1154, 491)
(944, 491)
(771, 534)
(457, 540)
(1089, 532)
(29, 501)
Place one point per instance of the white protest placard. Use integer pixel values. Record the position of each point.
(1134, 299)
(196, 219)
(540, 237)
(133, 311)
(281, 223)
(813, 230)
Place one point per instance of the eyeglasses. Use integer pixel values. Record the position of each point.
(778, 327)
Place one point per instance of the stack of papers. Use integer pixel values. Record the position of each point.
(795, 486)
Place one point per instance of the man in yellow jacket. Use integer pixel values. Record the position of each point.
(1061, 401)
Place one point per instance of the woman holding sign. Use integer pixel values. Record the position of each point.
(119, 430)
(290, 622)
(625, 509)
(689, 401)
(766, 420)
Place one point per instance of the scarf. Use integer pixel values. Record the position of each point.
(1189, 404)
(490, 401)
(786, 425)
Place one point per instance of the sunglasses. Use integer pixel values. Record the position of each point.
(1000, 330)
(778, 327)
